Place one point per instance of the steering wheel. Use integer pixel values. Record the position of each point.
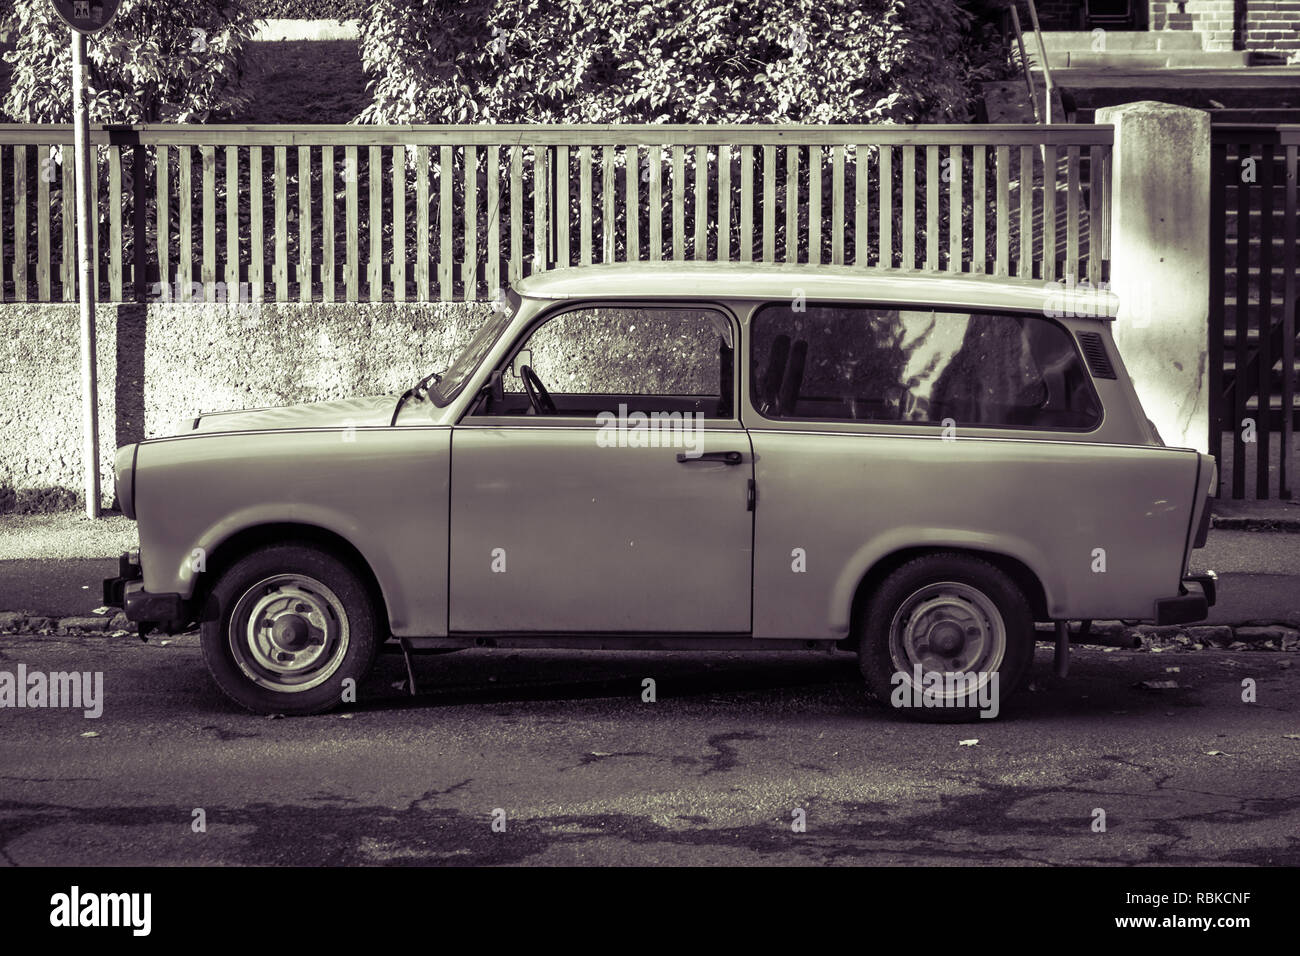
(538, 396)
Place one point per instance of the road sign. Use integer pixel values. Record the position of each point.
(86, 16)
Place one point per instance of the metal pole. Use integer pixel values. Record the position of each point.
(85, 278)
(1024, 62)
(1042, 59)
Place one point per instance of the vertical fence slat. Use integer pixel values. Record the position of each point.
(979, 210)
(1105, 202)
(792, 204)
(701, 241)
(1264, 360)
(1241, 349)
(422, 223)
(44, 171)
(632, 202)
(608, 225)
(724, 203)
(185, 248)
(932, 207)
(1025, 267)
(114, 224)
(327, 223)
(956, 210)
(139, 212)
(400, 156)
(256, 246)
(469, 264)
(562, 206)
(1289, 267)
(20, 223)
(837, 205)
(352, 223)
(1072, 212)
(516, 213)
(446, 170)
(232, 223)
(885, 200)
(94, 216)
(656, 210)
(209, 277)
(539, 208)
(746, 237)
(815, 204)
(492, 242)
(375, 261)
(281, 276)
(769, 203)
(861, 206)
(679, 202)
(584, 205)
(68, 217)
(304, 225)
(1049, 214)
(1003, 238)
(909, 207)
(1096, 216)
(4, 270)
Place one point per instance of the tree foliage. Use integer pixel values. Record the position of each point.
(160, 60)
(666, 61)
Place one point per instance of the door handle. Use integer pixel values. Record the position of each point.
(726, 457)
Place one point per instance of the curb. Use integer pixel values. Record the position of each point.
(1232, 523)
(1253, 635)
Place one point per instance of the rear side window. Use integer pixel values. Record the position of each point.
(862, 363)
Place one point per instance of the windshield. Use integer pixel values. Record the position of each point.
(454, 378)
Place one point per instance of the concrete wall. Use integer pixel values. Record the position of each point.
(160, 364)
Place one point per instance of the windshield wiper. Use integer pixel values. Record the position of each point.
(433, 378)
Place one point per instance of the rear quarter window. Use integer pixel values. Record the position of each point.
(920, 365)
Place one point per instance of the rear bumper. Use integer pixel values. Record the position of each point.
(1197, 595)
(168, 612)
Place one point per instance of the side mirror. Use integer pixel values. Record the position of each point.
(525, 357)
(496, 388)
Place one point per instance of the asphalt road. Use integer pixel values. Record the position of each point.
(583, 771)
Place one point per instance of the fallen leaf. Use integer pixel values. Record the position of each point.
(600, 753)
(91, 733)
(1217, 753)
(1292, 736)
(1173, 670)
(968, 743)
(1157, 684)
(101, 610)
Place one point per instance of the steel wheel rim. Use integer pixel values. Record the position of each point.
(289, 633)
(949, 628)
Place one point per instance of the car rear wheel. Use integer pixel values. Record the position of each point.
(946, 637)
(289, 626)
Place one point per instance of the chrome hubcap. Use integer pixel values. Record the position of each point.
(289, 633)
(947, 627)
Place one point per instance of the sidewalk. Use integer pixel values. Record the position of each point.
(52, 565)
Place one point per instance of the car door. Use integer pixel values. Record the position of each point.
(628, 510)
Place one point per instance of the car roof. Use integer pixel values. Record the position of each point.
(770, 280)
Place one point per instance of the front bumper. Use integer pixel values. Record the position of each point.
(1197, 595)
(168, 612)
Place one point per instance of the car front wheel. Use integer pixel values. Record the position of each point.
(289, 626)
(946, 637)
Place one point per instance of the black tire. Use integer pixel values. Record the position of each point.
(334, 613)
(905, 621)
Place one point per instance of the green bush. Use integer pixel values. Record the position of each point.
(160, 60)
(666, 61)
(307, 9)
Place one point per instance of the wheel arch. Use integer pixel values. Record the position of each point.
(229, 550)
(1019, 572)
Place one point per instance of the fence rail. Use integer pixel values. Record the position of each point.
(345, 213)
(1254, 258)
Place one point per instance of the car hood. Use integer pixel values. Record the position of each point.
(341, 413)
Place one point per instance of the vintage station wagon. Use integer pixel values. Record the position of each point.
(678, 456)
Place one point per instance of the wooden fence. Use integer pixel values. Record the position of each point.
(1254, 257)
(350, 213)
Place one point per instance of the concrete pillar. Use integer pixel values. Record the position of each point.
(1160, 261)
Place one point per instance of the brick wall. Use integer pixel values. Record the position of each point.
(1213, 19)
(1273, 25)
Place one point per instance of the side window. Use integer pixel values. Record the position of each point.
(896, 365)
(652, 360)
